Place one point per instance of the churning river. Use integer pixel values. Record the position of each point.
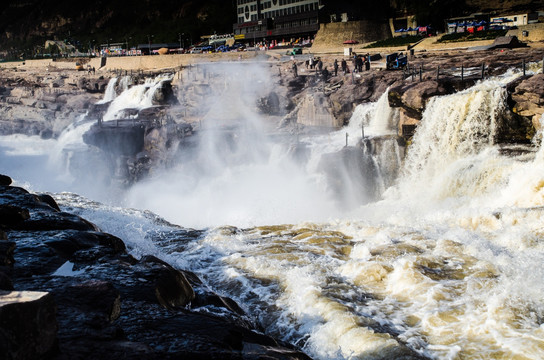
(448, 260)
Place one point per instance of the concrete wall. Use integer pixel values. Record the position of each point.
(39, 63)
(152, 63)
(364, 31)
(536, 32)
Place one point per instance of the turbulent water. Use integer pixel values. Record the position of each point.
(448, 262)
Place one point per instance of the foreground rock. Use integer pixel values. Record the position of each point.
(108, 304)
(28, 327)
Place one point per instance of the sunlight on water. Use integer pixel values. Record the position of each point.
(448, 264)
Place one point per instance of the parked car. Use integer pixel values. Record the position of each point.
(396, 61)
(294, 51)
(238, 47)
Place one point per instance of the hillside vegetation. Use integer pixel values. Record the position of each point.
(26, 24)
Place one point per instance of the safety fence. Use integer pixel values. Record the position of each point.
(415, 73)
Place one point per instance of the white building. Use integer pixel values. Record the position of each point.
(514, 20)
(271, 20)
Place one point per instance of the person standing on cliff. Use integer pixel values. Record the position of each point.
(335, 67)
(295, 72)
(344, 66)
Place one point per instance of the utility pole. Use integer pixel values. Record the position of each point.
(179, 38)
(149, 43)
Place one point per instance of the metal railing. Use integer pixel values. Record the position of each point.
(463, 73)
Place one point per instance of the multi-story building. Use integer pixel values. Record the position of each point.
(514, 20)
(276, 20)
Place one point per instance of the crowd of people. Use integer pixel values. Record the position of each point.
(359, 63)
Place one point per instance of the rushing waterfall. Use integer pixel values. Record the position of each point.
(110, 93)
(445, 260)
(125, 82)
(135, 97)
(378, 153)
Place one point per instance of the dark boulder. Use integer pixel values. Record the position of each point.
(170, 286)
(214, 338)
(219, 301)
(270, 104)
(34, 258)
(94, 303)
(126, 139)
(12, 216)
(5, 180)
(71, 241)
(28, 326)
(87, 347)
(24, 211)
(5, 281)
(48, 199)
(164, 95)
(46, 220)
(6, 253)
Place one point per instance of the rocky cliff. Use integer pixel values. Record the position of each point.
(44, 101)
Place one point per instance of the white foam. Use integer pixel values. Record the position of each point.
(67, 269)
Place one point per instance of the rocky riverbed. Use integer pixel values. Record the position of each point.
(38, 100)
(70, 291)
(43, 100)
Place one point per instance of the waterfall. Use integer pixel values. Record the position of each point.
(125, 83)
(135, 97)
(110, 94)
(453, 153)
(376, 118)
(455, 126)
(362, 171)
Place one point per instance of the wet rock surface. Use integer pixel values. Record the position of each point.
(428, 74)
(27, 324)
(103, 303)
(528, 98)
